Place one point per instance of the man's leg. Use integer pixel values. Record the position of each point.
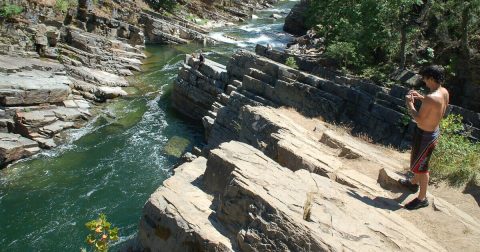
(415, 179)
(423, 182)
(421, 200)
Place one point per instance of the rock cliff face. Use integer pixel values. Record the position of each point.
(255, 80)
(295, 21)
(56, 65)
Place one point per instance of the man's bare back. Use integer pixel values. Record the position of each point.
(433, 109)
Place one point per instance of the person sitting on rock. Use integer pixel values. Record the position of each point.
(269, 47)
(201, 57)
(426, 132)
(201, 60)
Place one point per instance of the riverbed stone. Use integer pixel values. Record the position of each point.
(14, 147)
(33, 87)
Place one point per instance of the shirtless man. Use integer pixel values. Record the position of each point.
(427, 131)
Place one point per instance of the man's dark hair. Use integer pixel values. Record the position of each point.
(434, 71)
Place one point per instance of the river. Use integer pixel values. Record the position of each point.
(121, 157)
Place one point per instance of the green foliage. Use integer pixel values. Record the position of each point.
(344, 52)
(363, 34)
(369, 29)
(291, 62)
(64, 5)
(168, 5)
(456, 159)
(10, 10)
(101, 233)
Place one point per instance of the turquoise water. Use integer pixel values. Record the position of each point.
(115, 163)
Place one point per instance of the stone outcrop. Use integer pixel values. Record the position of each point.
(85, 57)
(239, 199)
(31, 81)
(295, 21)
(160, 30)
(198, 86)
(14, 146)
(239, 196)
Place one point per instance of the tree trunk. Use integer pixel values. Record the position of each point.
(403, 45)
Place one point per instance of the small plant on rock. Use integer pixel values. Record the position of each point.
(10, 10)
(101, 234)
(291, 63)
(64, 5)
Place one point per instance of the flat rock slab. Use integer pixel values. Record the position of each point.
(14, 147)
(33, 87)
(264, 205)
(48, 121)
(177, 217)
(9, 64)
(99, 77)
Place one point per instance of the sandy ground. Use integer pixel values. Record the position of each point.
(455, 230)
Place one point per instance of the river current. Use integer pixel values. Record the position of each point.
(121, 157)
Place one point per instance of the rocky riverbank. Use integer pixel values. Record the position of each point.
(58, 62)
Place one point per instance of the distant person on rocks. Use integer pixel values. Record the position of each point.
(269, 48)
(427, 131)
(201, 57)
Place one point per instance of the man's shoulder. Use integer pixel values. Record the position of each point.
(434, 99)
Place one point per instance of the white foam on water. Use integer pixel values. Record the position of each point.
(91, 192)
(260, 39)
(219, 37)
(251, 28)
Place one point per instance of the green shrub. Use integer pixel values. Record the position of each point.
(10, 10)
(456, 159)
(101, 233)
(64, 5)
(343, 52)
(291, 62)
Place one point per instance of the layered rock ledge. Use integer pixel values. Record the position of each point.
(239, 199)
(251, 79)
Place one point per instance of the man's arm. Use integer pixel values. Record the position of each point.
(416, 95)
(419, 116)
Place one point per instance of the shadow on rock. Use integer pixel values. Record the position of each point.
(473, 189)
(378, 202)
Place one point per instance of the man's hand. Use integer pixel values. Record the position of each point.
(409, 99)
(416, 95)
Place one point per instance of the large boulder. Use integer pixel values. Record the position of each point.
(295, 21)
